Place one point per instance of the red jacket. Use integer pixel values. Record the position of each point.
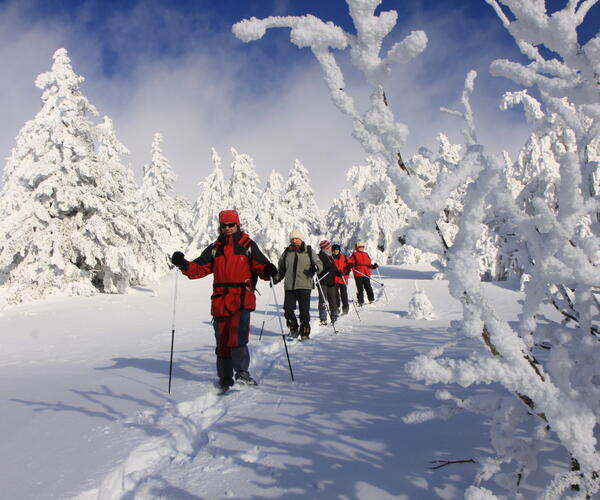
(235, 261)
(341, 263)
(362, 264)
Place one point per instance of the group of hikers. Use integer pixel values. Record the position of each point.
(237, 262)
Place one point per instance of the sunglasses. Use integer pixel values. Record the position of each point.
(227, 224)
(360, 247)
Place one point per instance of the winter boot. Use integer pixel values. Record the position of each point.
(304, 332)
(345, 310)
(293, 329)
(244, 378)
(224, 384)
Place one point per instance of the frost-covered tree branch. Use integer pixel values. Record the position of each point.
(553, 227)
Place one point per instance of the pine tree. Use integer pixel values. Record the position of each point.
(244, 191)
(213, 198)
(66, 224)
(343, 221)
(274, 220)
(299, 198)
(168, 218)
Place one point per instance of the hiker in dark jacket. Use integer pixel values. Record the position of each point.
(297, 266)
(327, 284)
(236, 262)
(341, 279)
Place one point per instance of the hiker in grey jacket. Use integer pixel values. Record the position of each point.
(297, 266)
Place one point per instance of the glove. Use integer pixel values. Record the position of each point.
(339, 274)
(310, 272)
(179, 261)
(350, 266)
(271, 270)
(375, 266)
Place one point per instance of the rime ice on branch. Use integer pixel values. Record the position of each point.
(556, 393)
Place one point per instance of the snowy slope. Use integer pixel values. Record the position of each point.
(86, 413)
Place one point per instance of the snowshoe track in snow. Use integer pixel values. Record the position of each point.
(184, 427)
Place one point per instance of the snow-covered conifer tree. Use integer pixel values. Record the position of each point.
(274, 220)
(168, 218)
(419, 306)
(299, 199)
(244, 191)
(343, 220)
(213, 198)
(380, 211)
(67, 223)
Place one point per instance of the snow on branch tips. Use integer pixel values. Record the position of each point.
(365, 47)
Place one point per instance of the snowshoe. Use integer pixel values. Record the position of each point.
(223, 386)
(244, 378)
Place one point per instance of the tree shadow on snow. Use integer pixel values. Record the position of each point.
(151, 365)
(110, 403)
(340, 430)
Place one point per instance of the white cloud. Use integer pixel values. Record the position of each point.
(203, 91)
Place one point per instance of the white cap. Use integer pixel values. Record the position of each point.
(296, 234)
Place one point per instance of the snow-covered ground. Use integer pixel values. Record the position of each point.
(86, 413)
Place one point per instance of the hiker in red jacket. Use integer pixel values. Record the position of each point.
(341, 278)
(236, 262)
(362, 272)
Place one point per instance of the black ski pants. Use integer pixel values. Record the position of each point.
(363, 284)
(329, 293)
(302, 298)
(341, 297)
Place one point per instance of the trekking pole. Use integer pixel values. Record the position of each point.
(263, 323)
(325, 301)
(281, 326)
(173, 329)
(372, 279)
(382, 286)
(356, 310)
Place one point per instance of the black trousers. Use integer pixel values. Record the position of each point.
(363, 284)
(329, 292)
(341, 297)
(302, 298)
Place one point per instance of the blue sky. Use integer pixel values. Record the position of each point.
(174, 67)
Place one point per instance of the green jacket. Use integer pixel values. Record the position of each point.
(292, 265)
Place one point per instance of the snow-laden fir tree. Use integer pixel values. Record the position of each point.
(168, 217)
(380, 210)
(343, 220)
(543, 396)
(300, 203)
(244, 191)
(371, 211)
(213, 198)
(67, 223)
(274, 220)
(419, 306)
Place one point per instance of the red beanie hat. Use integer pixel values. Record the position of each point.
(229, 216)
